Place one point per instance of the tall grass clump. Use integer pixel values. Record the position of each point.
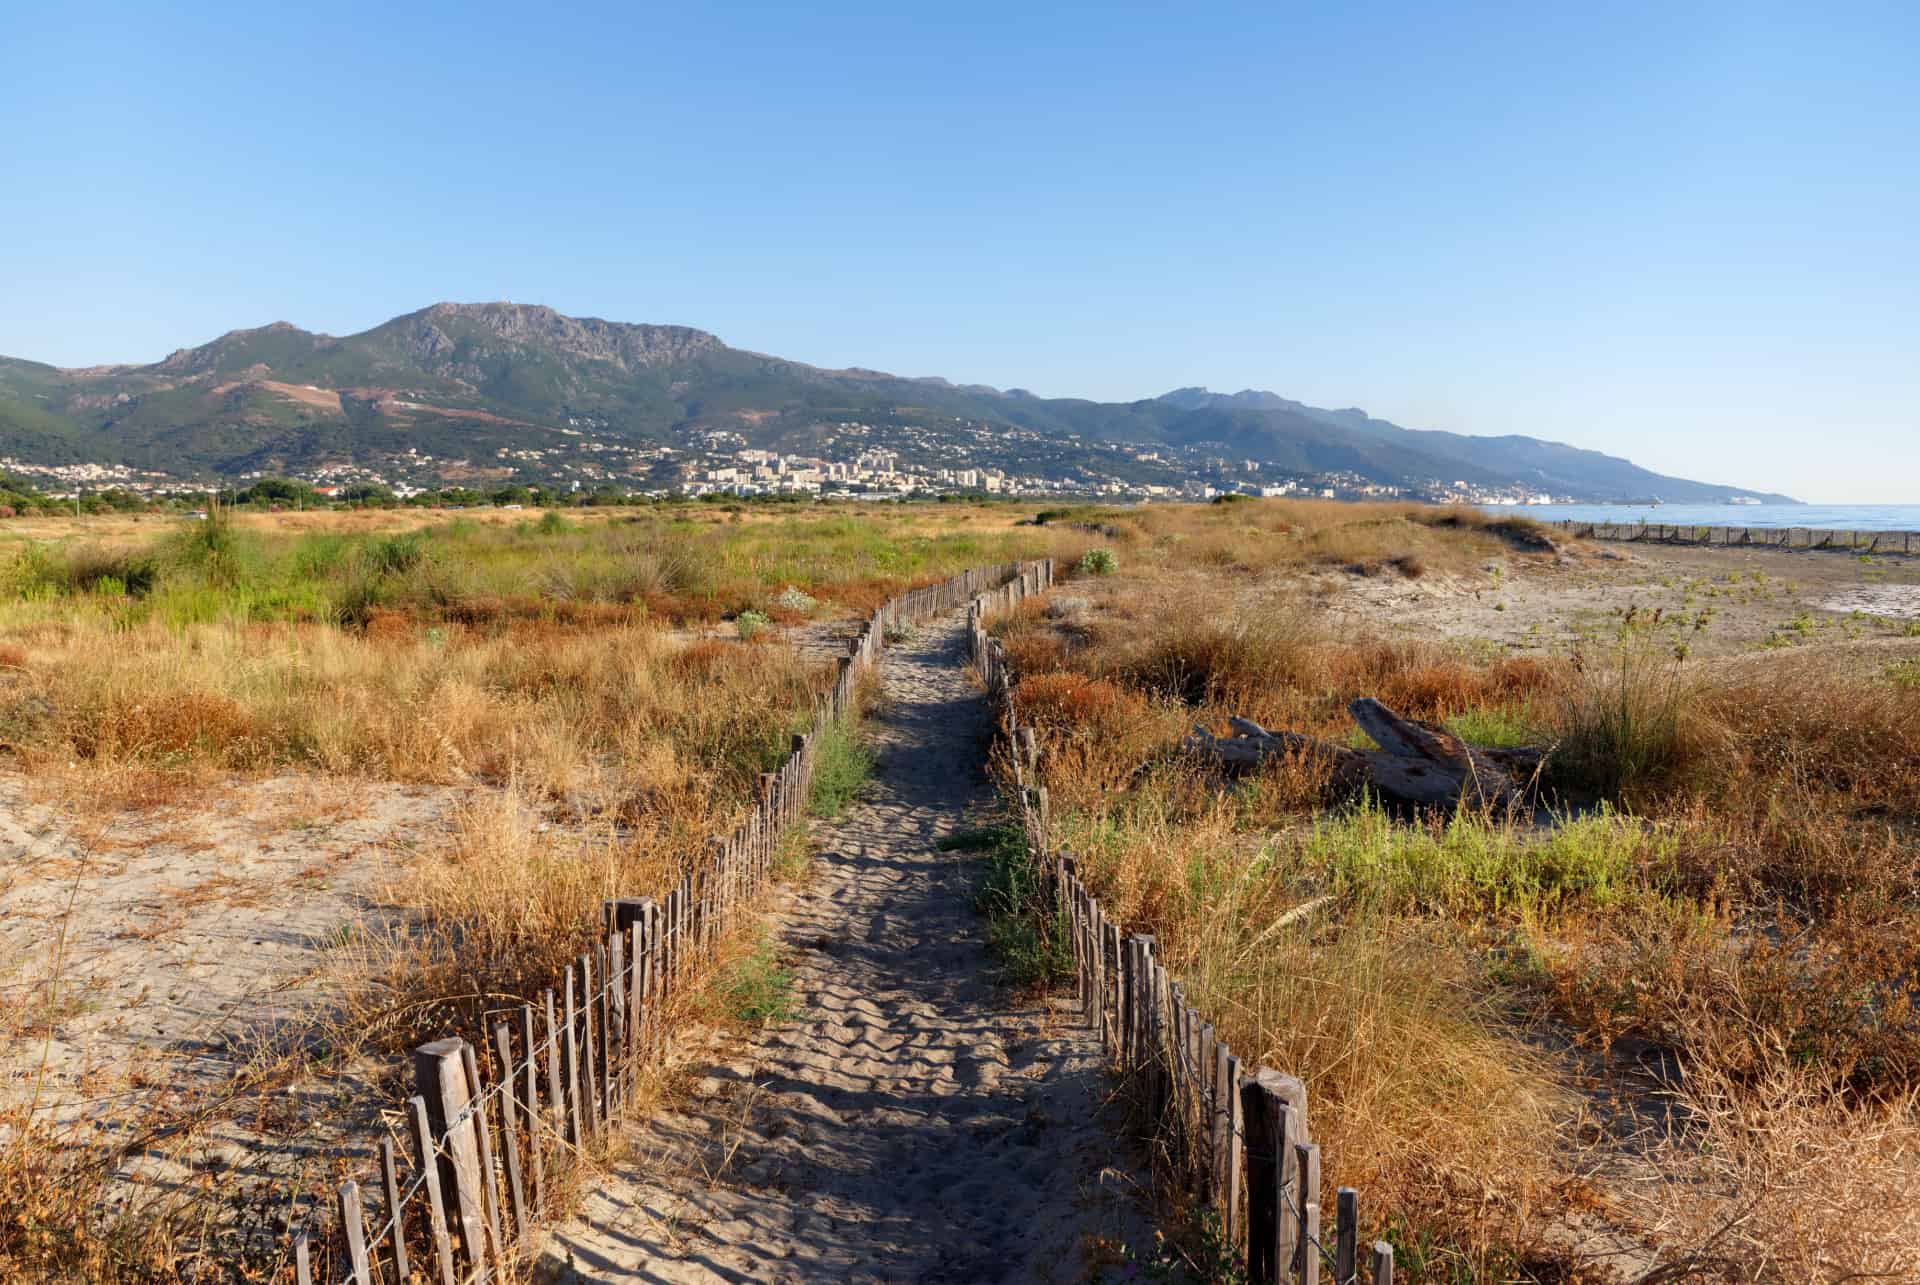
(1631, 725)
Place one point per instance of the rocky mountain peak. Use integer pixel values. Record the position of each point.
(433, 330)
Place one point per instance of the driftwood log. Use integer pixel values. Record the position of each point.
(1417, 764)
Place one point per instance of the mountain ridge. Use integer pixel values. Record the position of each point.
(465, 384)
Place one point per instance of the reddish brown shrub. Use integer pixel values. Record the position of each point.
(1075, 703)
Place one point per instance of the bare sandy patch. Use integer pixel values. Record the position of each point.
(1748, 598)
(152, 952)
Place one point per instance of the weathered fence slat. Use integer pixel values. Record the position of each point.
(530, 1109)
(1346, 1243)
(353, 1225)
(509, 1131)
(421, 1125)
(396, 1213)
(483, 1134)
(570, 1054)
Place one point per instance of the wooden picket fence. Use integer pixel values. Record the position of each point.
(497, 1114)
(1236, 1142)
(1797, 537)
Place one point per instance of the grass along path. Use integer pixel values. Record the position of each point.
(907, 1121)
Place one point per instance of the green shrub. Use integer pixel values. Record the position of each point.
(1630, 725)
(212, 549)
(750, 622)
(394, 554)
(111, 572)
(793, 598)
(1473, 864)
(1098, 562)
(1498, 729)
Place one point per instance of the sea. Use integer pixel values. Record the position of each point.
(1829, 517)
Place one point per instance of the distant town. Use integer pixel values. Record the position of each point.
(845, 460)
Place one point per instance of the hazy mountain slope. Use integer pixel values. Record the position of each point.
(1545, 466)
(461, 382)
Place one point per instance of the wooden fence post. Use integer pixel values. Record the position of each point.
(430, 1162)
(1274, 1108)
(1306, 1198)
(556, 1094)
(1227, 1134)
(616, 992)
(1207, 1148)
(442, 1080)
(1346, 1243)
(1263, 1182)
(589, 1090)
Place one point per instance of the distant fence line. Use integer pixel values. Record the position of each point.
(493, 1121)
(1795, 537)
(1238, 1143)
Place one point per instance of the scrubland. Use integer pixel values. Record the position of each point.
(1669, 1012)
(1663, 1021)
(513, 719)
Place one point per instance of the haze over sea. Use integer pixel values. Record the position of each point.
(1832, 517)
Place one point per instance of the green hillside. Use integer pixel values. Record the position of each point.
(459, 383)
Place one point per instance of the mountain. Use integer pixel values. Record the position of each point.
(455, 391)
(1273, 428)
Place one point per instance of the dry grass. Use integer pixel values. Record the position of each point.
(1782, 1179)
(1755, 896)
(1750, 907)
(624, 716)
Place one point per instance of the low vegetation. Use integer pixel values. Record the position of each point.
(1720, 880)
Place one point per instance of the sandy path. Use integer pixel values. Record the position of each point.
(908, 1123)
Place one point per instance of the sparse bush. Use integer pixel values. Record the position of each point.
(748, 623)
(1098, 562)
(795, 600)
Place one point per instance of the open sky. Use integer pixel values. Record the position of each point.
(1685, 233)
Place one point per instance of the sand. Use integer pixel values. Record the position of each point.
(153, 951)
(1753, 598)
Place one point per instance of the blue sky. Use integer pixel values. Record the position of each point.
(1689, 234)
